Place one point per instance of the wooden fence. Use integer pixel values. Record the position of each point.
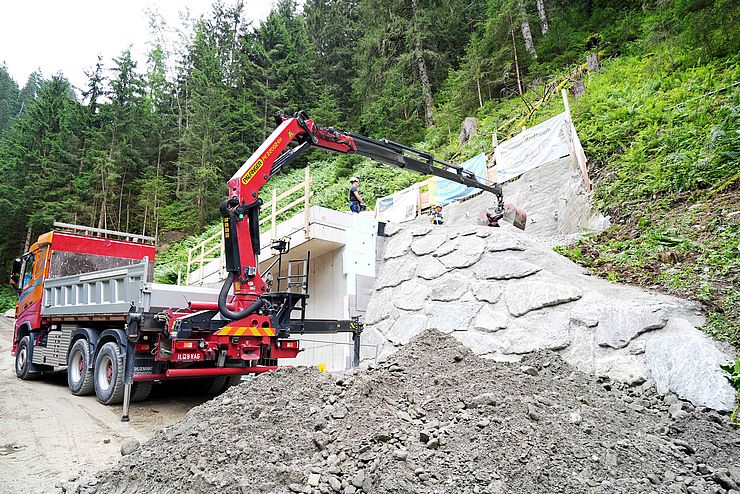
(212, 248)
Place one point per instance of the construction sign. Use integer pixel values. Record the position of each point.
(551, 140)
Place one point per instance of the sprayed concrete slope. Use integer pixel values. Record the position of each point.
(506, 293)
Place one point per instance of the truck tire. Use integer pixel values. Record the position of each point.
(79, 371)
(140, 390)
(23, 360)
(232, 381)
(109, 371)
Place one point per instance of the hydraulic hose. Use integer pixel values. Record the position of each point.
(230, 314)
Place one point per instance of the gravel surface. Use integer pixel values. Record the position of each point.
(435, 418)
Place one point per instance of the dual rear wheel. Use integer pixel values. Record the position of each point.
(105, 377)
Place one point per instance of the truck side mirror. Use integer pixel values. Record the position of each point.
(15, 274)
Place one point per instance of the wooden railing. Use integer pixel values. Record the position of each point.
(205, 252)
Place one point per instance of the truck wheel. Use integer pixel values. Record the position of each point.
(140, 390)
(23, 360)
(231, 381)
(79, 372)
(109, 374)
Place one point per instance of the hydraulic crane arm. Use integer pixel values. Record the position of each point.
(240, 211)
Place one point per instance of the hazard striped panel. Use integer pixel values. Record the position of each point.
(245, 331)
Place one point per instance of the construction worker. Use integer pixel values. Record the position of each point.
(436, 217)
(355, 201)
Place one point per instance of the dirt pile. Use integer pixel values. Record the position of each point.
(435, 418)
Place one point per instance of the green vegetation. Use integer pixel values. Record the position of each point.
(8, 298)
(149, 149)
(733, 374)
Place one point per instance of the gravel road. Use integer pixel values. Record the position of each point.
(48, 436)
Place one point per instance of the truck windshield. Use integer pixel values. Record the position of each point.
(74, 263)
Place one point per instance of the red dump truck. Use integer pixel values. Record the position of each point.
(87, 302)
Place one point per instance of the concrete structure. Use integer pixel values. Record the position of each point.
(342, 249)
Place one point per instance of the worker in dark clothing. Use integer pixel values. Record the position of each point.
(355, 201)
(437, 218)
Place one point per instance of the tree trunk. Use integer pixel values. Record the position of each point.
(516, 57)
(426, 87)
(544, 26)
(28, 239)
(526, 32)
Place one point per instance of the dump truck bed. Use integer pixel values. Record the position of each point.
(114, 291)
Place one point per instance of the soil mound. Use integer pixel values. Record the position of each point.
(435, 418)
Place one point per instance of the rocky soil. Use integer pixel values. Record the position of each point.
(435, 418)
(504, 294)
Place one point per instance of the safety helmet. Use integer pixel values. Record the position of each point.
(354, 179)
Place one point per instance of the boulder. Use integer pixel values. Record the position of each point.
(398, 245)
(538, 332)
(449, 287)
(527, 296)
(395, 272)
(618, 325)
(490, 320)
(684, 361)
(380, 307)
(430, 268)
(500, 241)
(411, 295)
(486, 291)
(498, 268)
(405, 328)
(427, 245)
(468, 252)
(449, 317)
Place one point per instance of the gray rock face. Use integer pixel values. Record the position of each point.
(449, 317)
(543, 331)
(531, 295)
(480, 343)
(411, 295)
(420, 231)
(498, 268)
(467, 253)
(686, 362)
(398, 245)
(395, 272)
(489, 320)
(391, 229)
(406, 327)
(500, 241)
(428, 244)
(449, 246)
(486, 291)
(449, 287)
(380, 307)
(619, 325)
(625, 368)
(430, 268)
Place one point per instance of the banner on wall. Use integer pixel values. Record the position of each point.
(536, 146)
(399, 206)
(443, 191)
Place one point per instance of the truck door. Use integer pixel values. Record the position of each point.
(30, 288)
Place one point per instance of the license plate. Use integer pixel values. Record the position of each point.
(188, 356)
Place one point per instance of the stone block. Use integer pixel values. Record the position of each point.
(526, 296)
(500, 268)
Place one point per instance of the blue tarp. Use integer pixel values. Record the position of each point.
(443, 191)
